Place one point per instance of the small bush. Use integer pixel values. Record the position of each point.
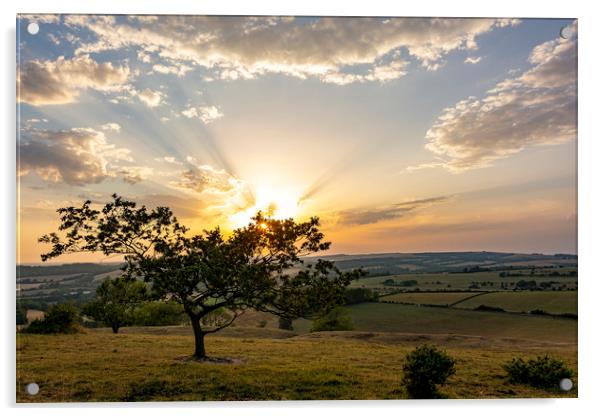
(486, 308)
(337, 319)
(543, 372)
(425, 368)
(285, 323)
(60, 319)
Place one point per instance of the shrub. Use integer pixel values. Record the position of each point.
(285, 323)
(544, 372)
(425, 368)
(337, 319)
(60, 319)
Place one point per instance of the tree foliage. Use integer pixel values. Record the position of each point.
(259, 266)
(158, 314)
(116, 300)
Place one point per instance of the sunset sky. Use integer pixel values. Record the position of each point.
(401, 134)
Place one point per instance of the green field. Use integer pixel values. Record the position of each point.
(387, 317)
(552, 302)
(459, 281)
(426, 298)
(143, 364)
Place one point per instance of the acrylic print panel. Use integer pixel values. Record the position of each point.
(295, 208)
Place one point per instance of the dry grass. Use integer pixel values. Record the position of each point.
(150, 365)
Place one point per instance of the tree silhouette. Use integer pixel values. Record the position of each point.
(259, 266)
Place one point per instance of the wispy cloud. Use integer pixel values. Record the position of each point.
(149, 97)
(374, 215)
(205, 113)
(473, 59)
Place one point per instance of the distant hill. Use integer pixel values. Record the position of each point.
(61, 269)
(400, 263)
(396, 263)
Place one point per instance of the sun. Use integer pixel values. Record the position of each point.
(278, 203)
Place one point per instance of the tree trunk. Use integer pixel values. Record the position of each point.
(115, 328)
(199, 338)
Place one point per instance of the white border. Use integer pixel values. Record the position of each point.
(590, 369)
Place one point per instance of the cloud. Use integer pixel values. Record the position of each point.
(472, 59)
(207, 178)
(371, 216)
(149, 97)
(223, 193)
(134, 174)
(538, 107)
(206, 114)
(331, 49)
(54, 39)
(179, 70)
(42, 18)
(76, 157)
(380, 73)
(168, 159)
(61, 81)
(111, 127)
(144, 57)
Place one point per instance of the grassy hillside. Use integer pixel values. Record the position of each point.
(138, 365)
(553, 302)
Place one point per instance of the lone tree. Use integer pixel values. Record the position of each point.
(115, 301)
(259, 266)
